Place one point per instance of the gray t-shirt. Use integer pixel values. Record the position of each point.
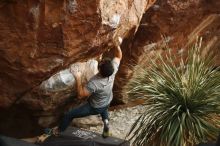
(101, 88)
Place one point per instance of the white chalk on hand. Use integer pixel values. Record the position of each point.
(120, 40)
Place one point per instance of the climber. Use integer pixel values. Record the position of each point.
(98, 90)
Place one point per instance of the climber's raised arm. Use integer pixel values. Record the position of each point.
(117, 51)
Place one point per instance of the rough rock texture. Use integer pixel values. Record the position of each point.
(177, 23)
(38, 38)
(59, 90)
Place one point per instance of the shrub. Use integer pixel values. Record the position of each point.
(182, 100)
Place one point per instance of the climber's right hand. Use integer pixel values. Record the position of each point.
(117, 42)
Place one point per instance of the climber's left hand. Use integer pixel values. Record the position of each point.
(76, 72)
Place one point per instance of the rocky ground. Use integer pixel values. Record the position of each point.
(120, 121)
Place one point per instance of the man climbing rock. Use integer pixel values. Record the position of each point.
(98, 90)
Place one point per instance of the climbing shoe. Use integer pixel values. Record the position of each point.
(106, 134)
(47, 133)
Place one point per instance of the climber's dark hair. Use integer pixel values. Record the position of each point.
(105, 67)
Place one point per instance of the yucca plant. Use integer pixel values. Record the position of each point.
(182, 100)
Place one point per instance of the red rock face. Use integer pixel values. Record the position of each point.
(180, 22)
(38, 38)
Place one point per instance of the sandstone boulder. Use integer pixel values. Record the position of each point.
(39, 38)
(176, 23)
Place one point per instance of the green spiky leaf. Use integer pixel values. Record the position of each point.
(182, 100)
